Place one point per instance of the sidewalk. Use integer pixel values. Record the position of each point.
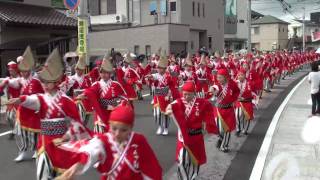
(289, 156)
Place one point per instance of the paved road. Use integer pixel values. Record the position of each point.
(164, 147)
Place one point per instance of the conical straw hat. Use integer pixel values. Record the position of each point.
(52, 71)
(27, 61)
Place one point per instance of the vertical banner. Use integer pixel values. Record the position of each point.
(82, 36)
(230, 17)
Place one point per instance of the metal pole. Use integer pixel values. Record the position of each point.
(249, 27)
(303, 30)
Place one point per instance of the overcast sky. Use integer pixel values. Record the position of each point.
(274, 8)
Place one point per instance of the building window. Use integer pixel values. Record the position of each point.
(210, 42)
(282, 29)
(255, 30)
(108, 7)
(148, 50)
(237, 46)
(279, 29)
(203, 10)
(198, 9)
(136, 49)
(193, 8)
(191, 45)
(173, 6)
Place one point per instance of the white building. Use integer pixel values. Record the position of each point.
(143, 26)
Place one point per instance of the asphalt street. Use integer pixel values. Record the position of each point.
(164, 146)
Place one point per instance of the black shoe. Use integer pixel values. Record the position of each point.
(246, 133)
(219, 143)
(238, 133)
(11, 136)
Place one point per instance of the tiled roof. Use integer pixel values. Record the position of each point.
(19, 13)
(269, 20)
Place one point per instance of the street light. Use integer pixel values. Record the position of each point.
(303, 30)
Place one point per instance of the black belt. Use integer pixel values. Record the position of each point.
(224, 106)
(245, 100)
(194, 132)
(174, 74)
(161, 91)
(203, 80)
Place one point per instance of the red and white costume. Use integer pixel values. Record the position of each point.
(226, 96)
(189, 117)
(131, 159)
(27, 118)
(55, 113)
(129, 78)
(244, 106)
(12, 92)
(104, 96)
(174, 71)
(74, 85)
(163, 90)
(204, 77)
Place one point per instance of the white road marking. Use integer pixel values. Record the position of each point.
(5, 133)
(145, 95)
(263, 152)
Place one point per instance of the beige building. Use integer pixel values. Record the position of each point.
(143, 26)
(269, 33)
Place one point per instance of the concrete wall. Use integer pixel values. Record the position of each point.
(122, 7)
(242, 28)
(155, 36)
(212, 22)
(179, 32)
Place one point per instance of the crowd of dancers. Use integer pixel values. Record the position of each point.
(49, 110)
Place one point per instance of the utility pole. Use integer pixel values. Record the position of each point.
(303, 30)
(249, 27)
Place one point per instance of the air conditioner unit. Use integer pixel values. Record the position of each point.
(108, 19)
(119, 18)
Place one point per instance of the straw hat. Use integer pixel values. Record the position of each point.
(26, 62)
(52, 71)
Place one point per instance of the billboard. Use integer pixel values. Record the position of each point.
(230, 17)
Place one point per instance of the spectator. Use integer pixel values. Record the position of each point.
(314, 80)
